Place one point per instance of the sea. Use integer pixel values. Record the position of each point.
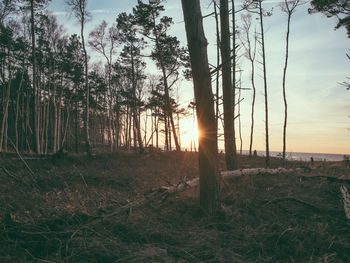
(300, 156)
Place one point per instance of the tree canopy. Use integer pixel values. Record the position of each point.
(338, 8)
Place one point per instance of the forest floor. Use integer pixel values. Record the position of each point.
(109, 208)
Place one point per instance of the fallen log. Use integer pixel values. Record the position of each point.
(230, 174)
(256, 171)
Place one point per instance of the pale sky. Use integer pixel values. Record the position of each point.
(318, 106)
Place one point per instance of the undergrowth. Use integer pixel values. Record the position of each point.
(78, 209)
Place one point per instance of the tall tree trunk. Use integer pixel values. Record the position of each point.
(234, 76)
(197, 45)
(87, 90)
(166, 131)
(284, 91)
(169, 109)
(76, 127)
(230, 154)
(250, 54)
(239, 114)
(217, 116)
(265, 86)
(66, 127)
(253, 105)
(47, 127)
(34, 113)
(18, 106)
(6, 100)
(134, 108)
(157, 133)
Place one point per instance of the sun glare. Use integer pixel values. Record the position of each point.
(189, 133)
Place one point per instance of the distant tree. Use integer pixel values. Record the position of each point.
(7, 44)
(197, 45)
(230, 149)
(250, 53)
(79, 10)
(255, 6)
(73, 68)
(35, 107)
(338, 8)
(167, 52)
(104, 40)
(288, 7)
(131, 57)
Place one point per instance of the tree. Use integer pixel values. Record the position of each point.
(166, 52)
(250, 53)
(131, 57)
(103, 40)
(288, 7)
(79, 10)
(197, 46)
(73, 68)
(251, 7)
(230, 151)
(338, 8)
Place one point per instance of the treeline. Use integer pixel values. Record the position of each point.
(52, 96)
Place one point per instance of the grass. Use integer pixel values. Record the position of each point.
(76, 210)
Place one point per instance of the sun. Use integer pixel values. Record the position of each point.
(189, 132)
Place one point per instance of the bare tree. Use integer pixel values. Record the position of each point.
(103, 41)
(79, 10)
(250, 53)
(288, 7)
(261, 14)
(197, 45)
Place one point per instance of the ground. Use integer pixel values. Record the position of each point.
(110, 208)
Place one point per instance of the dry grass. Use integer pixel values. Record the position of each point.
(62, 215)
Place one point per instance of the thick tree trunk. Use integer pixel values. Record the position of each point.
(227, 87)
(197, 45)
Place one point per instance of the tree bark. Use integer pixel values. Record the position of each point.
(197, 45)
(227, 87)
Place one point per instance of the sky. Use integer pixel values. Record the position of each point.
(318, 106)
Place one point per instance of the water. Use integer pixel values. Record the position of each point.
(297, 156)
